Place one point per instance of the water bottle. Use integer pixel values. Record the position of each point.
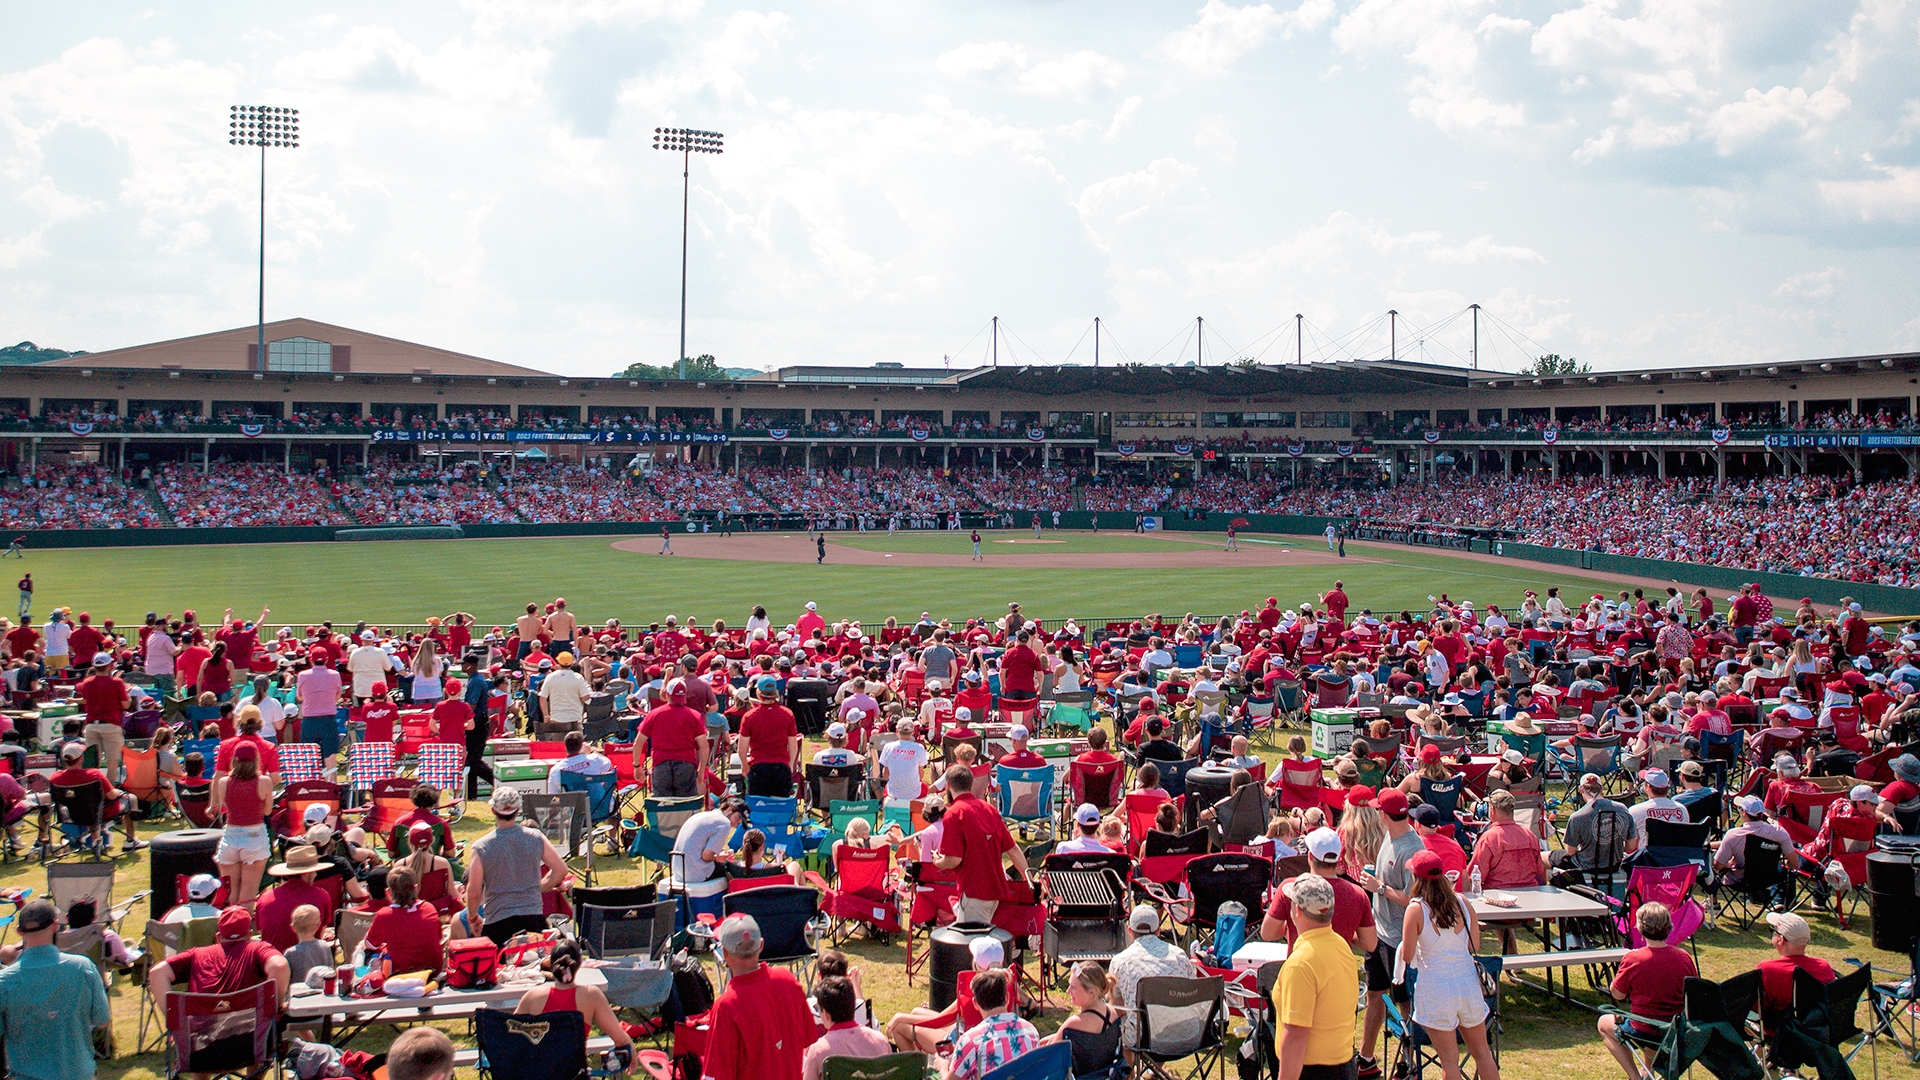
(1473, 883)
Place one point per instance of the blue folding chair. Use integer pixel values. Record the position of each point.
(1173, 775)
(1187, 656)
(653, 837)
(1051, 1062)
(778, 819)
(1442, 795)
(206, 748)
(1026, 795)
(602, 790)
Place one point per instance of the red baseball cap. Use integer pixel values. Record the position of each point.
(234, 925)
(1360, 795)
(1392, 802)
(1425, 864)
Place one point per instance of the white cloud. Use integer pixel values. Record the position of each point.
(1108, 204)
(1224, 33)
(1481, 249)
(1071, 74)
(1737, 125)
(1812, 285)
(1892, 198)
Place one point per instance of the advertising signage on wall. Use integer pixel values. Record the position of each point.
(421, 436)
(1836, 440)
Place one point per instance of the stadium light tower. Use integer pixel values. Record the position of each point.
(263, 126)
(686, 142)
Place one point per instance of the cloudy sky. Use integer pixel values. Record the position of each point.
(1686, 181)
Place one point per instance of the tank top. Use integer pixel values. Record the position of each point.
(245, 807)
(512, 859)
(560, 999)
(1093, 1051)
(1444, 950)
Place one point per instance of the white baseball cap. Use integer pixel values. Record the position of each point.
(854, 716)
(962, 714)
(1324, 844)
(1019, 731)
(202, 886)
(1088, 814)
(987, 951)
(837, 731)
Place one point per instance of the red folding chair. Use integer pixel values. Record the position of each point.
(1804, 812)
(296, 797)
(1141, 808)
(1098, 784)
(868, 891)
(1852, 838)
(979, 700)
(934, 893)
(222, 1033)
(1300, 783)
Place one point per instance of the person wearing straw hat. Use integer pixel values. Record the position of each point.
(295, 887)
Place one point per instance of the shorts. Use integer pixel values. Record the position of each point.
(1346, 1070)
(323, 732)
(1379, 964)
(244, 844)
(1447, 1012)
(672, 780)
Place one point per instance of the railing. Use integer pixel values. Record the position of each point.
(1795, 437)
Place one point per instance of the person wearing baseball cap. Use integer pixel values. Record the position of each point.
(1018, 756)
(1791, 936)
(1351, 911)
(1730, 854)
(675, 737)
(504, 872)
(836, 751)
(317, 690)
(117, 803)
(1149, 956)
(1316, 993)
(770, 742)
(235, 961)
(564, 692)
(50, 1002)
(1658, 804)
(1391, 886)
(1600, 835)
(761, 1025)
(1427, 821)
(1087, 818)
(1862, 802)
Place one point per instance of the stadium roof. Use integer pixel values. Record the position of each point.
(231, 350)
(1350, 377)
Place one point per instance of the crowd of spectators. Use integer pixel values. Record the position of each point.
(229, 495)
(425, 495)
(75, 497)
(553, 491)
(690, 486)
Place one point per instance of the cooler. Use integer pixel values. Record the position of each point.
(1332, 730)
(1255, 953)
(525, 776)
(1059, 754)
(508, 749)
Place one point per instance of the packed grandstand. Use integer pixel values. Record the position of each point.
(1800, 525)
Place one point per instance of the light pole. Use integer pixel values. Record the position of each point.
(263, 126)
(686, 142)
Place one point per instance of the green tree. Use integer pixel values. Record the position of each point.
(28, 353)
(1552, 364)
(703, 368)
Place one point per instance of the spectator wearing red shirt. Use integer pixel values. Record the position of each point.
(84, 642)
(772, 742)
(187, 663)
(1096, 749)
(407, 929)
(234, 962)
(249, 721)
(380, 715)
(675, 737)
(453, 716)
(1650, 981)
(761, 1025)
(1352, 907)
(1336, 601)
(1269, 616)
(1791, 935)
(973, 842)
(107, 701)
(296, 887)
(23, 638)
(1019, 757)
(1020, 669)
(806, 624)
(117, 803)
(1453, 857)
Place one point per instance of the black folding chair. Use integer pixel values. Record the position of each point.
(789, 918)
(1227, 877)
(79, 811)
(1673, 844)
(1764, 881)
(1894, 1005)
(1179, 1019)
(828, 784)
(542, 1046)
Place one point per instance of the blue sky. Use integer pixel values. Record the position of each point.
(1632, 184)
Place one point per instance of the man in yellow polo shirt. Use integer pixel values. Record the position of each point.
(1319, 989)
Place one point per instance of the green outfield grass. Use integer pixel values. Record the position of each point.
(406, 581)
(1013, 543)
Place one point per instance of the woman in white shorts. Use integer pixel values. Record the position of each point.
(246, 795)
(1437, 938)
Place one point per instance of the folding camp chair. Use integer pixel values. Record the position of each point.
(867, 891)
(610, 928)
(1669, 885)
(1086, 900)
(931, 894)
(1098, 784)
(1242, 816)
(1163, 868)
(1413, 1051)
(1668, 1048)
(444, 765)
(1259, 716)
(547, 1046)
(1072, 711)
(1225, 877)
(828, 784)
(144, 780)
(166, 939)
(1180, 1018)
(1853, 841)
(1672, 844)
(1824, 1016)
(789, 918)
(911, 1065)
(1051, 1062)
(563, 819)
(1896, 1006)
(196, 802)
(779, 820)
(1444, 796)
(368, 763)
(600, 789)
(388, 801)
(223, 1033)
(79, 811)
(1173, 775)
(1764, 880)
(298, 761)
(297, 796)
(1300, 784)
(1805, 810)
(209, 749)
(1140, 809)
(654, 836)
(1599, 755)
(844, 813)
(352, 929)
(1026, 796)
